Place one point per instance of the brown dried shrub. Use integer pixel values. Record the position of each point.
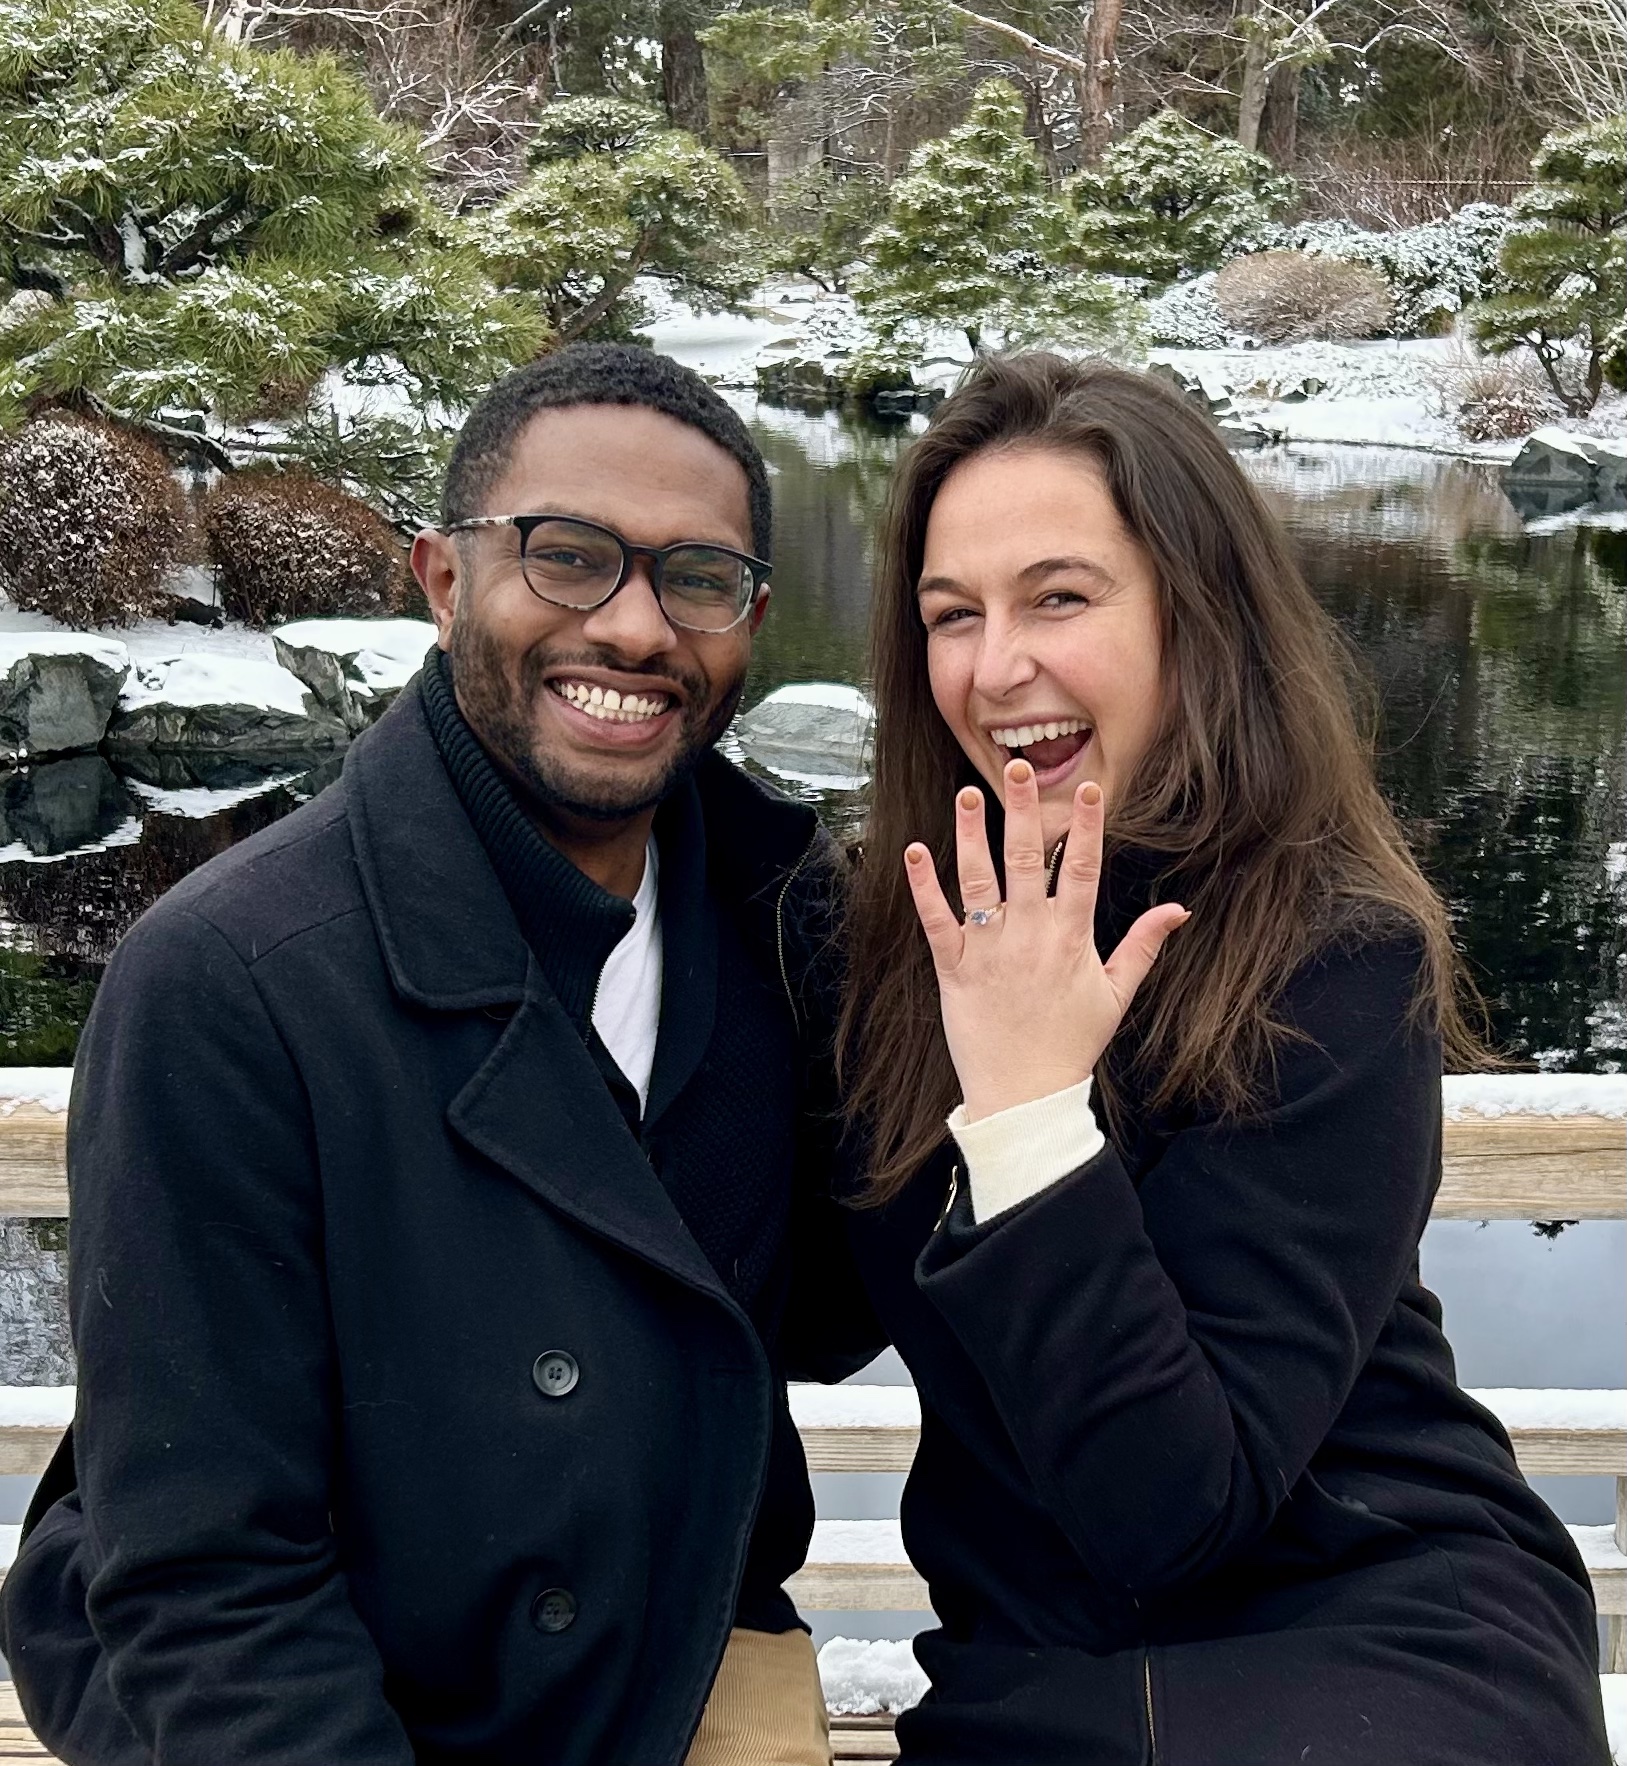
(1494, 398)
(90, 520)
(1295, 296)
(286, 546)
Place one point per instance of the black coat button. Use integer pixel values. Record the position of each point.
(555, 1373)
(554, 1610)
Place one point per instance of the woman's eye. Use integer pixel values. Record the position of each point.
(950, 616)
(1064, 598)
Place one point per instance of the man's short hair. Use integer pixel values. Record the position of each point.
(596, 374)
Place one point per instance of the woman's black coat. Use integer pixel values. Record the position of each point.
(1196, 1483)
(344, 1177)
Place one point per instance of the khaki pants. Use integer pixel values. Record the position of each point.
(766, 1707)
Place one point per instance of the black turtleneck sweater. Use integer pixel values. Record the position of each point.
(725, 1089)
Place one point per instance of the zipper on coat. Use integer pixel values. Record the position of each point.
(1146, 1689)
(1053, 868)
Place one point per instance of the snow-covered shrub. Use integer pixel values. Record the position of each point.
(1494, 398)
(1565, 265)
(285, 546)
(1434, 270)
(90, 520)
(1169, 201)
(1188, 317)
(1294, 296)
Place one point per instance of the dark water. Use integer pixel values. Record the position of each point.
(1497, 654)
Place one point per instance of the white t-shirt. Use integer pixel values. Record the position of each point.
(627, 1007)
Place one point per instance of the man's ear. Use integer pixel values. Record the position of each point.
(436, 564)
(759, 611)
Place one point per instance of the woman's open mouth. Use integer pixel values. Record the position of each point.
(1050, 748)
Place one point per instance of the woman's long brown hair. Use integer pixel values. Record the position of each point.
(1258, 796)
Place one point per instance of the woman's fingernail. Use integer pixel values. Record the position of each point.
(1019, 772)
(1090, 793)
(968, 798)
(914, 854)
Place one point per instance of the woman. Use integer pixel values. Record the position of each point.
(1196, 1485)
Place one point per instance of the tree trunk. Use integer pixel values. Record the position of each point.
(1251, 101)
(1280, 126)
(1098, 88)
(683, 72)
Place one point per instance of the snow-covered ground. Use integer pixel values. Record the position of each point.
(1379, 394)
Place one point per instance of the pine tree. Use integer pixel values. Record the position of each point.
(616, 195)
(194, 232)
(975, 240)
(1169, 201)
(1565, 262)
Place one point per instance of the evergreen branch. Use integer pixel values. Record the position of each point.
(64, 241)
(47, 281)
(191, 442)
(612, 289)
(193, 245)
(1045, 52)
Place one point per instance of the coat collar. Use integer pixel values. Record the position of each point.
(445, 925)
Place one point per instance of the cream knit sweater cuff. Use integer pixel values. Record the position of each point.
(1016, 1153)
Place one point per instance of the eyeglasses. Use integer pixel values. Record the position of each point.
(579, 564)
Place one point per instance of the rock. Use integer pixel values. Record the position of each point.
(1610, 488)
(812, 730)
(355, 667)
(1240, 435)
(57, 691)
(65, 806)
(798, 381)
(227, 704)
(1553, 456)
(35, 1349)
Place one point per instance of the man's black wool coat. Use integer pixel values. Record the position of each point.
(413, 1424)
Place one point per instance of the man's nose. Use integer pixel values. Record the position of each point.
(631, 621)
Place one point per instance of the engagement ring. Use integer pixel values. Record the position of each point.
(982, 916)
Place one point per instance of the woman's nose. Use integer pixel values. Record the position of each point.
(1004, 660)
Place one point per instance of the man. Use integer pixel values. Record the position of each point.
(437, 1161)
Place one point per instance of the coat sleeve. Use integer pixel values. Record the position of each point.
(206, 1415)
(1167, 1359)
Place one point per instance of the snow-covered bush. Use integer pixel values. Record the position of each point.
(1565, 264)
(1434, 270)
(90, 520)
(1494, 398)
(1169, 201)
(1294, 296)
(1188, 317)
(975, 240)
(285, 546)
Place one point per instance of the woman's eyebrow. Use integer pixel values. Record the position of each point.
(1045, 567)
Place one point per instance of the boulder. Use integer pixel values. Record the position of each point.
(799, 382)
(1553, 456)
(57, 691)
(1240, 435)
(226, 704)
(65, 806)
(1610, 488)
(812, 730)
(355, 667)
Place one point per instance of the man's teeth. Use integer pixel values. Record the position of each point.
(609, 705)
(1020, 735)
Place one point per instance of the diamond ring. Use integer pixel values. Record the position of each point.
(982, 916)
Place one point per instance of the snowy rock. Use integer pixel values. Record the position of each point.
(227, 704)
(1239, 435)
(797, 380)
(57, 691)
(63, 807)
(860, 1678)
(355, 667)
(814, 729)
(1610, 489)
(1554, 456)
(35, 1349)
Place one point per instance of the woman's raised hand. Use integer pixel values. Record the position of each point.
(1028, 1005)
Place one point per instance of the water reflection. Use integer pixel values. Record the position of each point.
(1494, 652)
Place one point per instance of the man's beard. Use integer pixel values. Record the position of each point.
(503, 717)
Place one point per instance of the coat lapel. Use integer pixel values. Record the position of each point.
(538, 1108)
